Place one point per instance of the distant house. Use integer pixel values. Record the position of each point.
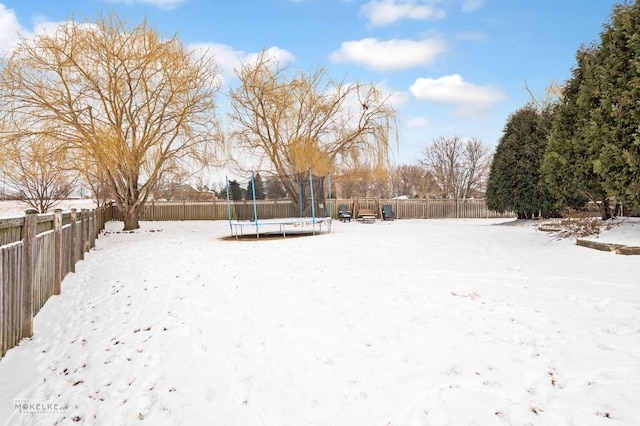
(184, 192)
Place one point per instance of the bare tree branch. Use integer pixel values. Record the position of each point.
(459, 167)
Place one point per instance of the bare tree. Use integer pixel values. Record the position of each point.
(478, 158)
(413, 181)
(126, 97)
(298, 121)
(459, 166)
(362, 181)
(37, 170)
(553, 95)
(172, 180)
(94, 177)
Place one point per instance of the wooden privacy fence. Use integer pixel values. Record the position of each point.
(270, 209)
(424, 208)
(36, 252)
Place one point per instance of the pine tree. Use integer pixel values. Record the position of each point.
(237, 193)
(249, 191)
(260, 187)
(274, 188)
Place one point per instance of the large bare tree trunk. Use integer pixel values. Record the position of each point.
(130, 221)
(130, 215)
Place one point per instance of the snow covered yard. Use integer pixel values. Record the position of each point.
(411, 322)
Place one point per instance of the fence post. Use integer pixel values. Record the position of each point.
(84, 222)
(74, 239)
(93, 219)
(98, 214)
(28, 271)
(57, 250)
(87, 228)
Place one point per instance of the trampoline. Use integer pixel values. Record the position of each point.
(312, 210)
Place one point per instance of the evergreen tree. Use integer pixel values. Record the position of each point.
(237, 193)
(259, 190)
(594, 148)
(222, 195)
(614, 122)
(274, 188)
(260, 187)
(249, 191)
(568, 165)
(515, 180)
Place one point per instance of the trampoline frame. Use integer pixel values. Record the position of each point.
(237, 226)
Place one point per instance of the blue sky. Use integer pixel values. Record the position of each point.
(453, 67)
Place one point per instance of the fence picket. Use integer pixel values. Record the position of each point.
(36, 252)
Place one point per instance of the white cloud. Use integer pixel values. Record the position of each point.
(228, 59)
(418, 123)
(389, 55)
(385, 12)
(161, 4)
(276, 53)
(470, 100)
(471, 5)
(9, 29)
(395, 98)
(43, 26)
(225, 56)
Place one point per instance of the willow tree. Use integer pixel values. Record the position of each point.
(298, 121)
(127, 98)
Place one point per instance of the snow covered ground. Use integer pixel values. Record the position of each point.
(411, 322)
(10, 209)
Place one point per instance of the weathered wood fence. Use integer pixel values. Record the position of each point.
(36, 252)
(423, 208)
(269, 209)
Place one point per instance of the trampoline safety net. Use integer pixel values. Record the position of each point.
(303, 195)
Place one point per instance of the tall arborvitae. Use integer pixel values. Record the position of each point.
(568, 165)
(614, 122)
(515, 180)
(594, 148)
